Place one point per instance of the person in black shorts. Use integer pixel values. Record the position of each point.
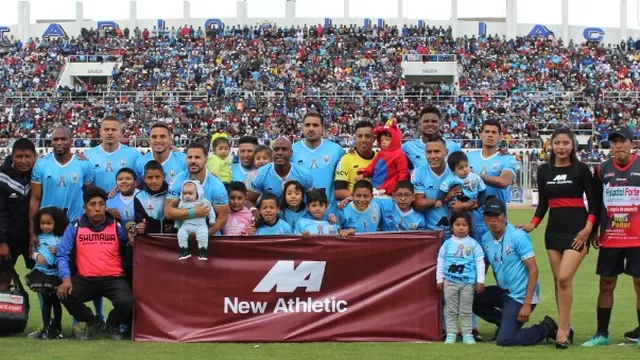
(617, 188)
(562, 183)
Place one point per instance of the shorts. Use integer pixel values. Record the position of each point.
(615, 261)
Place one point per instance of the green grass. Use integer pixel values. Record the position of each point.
(583, 320)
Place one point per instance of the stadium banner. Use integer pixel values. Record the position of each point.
(369, 287)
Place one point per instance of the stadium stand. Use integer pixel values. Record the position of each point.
(261, 81)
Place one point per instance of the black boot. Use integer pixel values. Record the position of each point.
(551, 326)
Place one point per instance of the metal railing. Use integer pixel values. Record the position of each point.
(110, 95)
(429, 57)
(554, 95)
(620, 95)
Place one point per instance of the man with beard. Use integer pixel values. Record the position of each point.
(110, 156)
(173, 162)
(318, 156)
(430, 125)
(246, 151)
(347, 169)
(272, 177)
(214, 190)
(58, 180)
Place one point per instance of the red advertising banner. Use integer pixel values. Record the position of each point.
(370, 287)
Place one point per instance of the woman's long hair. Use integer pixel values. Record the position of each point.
(573, 158)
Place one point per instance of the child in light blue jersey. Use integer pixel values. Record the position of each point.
(397, 212)
(192, 195)
(269, 222)
(49, 224)
(317, 209)
(122, 205)
(362, 214)
(460, 273)
(293, 207)
(472, 187)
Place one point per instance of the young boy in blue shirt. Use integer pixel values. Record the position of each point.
(362, 214)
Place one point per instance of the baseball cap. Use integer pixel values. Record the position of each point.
(495, 206)
(622, 131)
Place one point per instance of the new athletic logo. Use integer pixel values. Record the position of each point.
(560, 179)
(285, 277)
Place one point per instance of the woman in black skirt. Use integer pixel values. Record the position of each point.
(562, 184)
(49, 224)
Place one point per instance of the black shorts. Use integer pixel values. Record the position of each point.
(615, 261)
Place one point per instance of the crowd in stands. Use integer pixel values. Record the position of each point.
(261, 80)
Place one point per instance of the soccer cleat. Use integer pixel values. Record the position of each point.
(451, 339)
(597, 340)
(203, 254)
(633, 335)
(184, 253)
(468, 339)
(38, 334)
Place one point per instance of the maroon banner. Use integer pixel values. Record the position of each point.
(375, 287)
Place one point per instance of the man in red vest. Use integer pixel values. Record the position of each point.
(94, 244)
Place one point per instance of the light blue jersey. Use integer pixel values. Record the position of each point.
(239, 172)
(106, 165)
(268, 181)
(416, 151)
(316, 227)
(394, 219)
(472, 186)
(492, 166)
(281, 227)
(506, 257)
(292, 217)
(174, 165)
(426, 182)
(320, 162)
(366, 221)
(458, 258)
(214, 190)
(62, 184)
(125, 207)
(47, 241)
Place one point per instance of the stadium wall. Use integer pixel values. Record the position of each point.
(510, 28)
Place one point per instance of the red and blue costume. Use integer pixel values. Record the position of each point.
(390, 166)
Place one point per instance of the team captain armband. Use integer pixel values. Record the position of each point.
(536, 221)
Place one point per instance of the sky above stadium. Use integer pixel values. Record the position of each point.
(603, 13)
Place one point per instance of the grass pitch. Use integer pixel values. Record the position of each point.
(583, 321)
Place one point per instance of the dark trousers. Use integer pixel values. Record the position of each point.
(85, 289)
(496, 307)
(19, 247)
